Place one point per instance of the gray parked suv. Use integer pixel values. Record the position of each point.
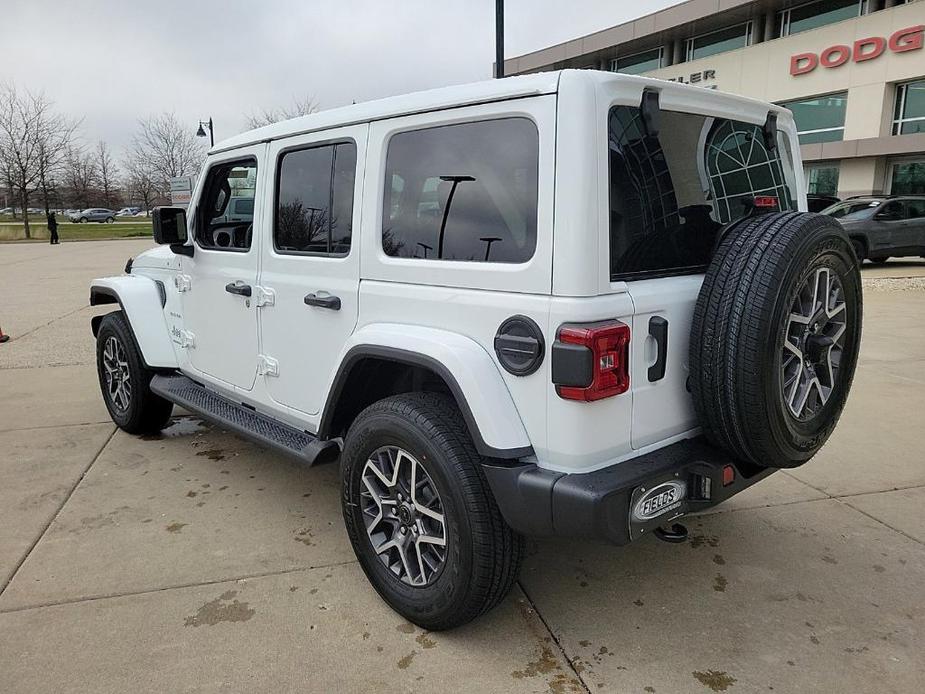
(883, 227)
(94, 214)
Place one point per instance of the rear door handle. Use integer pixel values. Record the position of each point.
(658, 329)
(238, 288)
(329, 302)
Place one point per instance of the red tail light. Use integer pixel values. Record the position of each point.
(766, 202)
(608, 343)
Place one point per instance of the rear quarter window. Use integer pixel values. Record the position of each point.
(462, 192)
(671, 193)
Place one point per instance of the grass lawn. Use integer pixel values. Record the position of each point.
(67, 231)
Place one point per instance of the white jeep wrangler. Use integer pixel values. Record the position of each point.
(573, 303)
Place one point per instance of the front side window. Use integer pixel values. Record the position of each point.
(314, 200)
(820, 119)
(671, 193)
(463, 192)
(226, 210)
(638, 63)
(909, 110)
(817, 14)
(720, 41)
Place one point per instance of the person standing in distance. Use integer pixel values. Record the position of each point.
(53, 228)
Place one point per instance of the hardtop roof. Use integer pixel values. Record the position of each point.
(486, 91)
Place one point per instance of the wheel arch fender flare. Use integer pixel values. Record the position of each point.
(142, 300)
(465, 366)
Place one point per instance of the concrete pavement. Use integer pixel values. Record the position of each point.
(196, 561)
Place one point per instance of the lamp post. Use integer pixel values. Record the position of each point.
(499, 38)
(202, 133)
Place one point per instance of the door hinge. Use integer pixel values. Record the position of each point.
(264, 296)
(187, 339)
(267, 366)
(183, 283)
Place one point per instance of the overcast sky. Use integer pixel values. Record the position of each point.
(112, 62)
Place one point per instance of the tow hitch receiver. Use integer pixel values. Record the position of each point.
(677, 533)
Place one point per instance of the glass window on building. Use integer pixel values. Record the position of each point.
(728, 39)
(822, 180)
(816, 14)
(909, 111)
(820, 119)
(908, 178)
(638, 63)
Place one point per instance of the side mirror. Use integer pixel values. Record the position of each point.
(169, 225)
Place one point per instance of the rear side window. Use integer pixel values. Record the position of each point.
(463, 192)
(314, 200)
(670, 194)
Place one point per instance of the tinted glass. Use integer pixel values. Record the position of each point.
(221, 225)
(719, 42)
(638, 63)
(462, 192)
(670, 194)
(821, 119)
(843, 209)
(908, 178)
(817, 14)
(314, 205)
(915, 209)
(822, 180)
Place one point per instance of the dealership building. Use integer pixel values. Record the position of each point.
(852, 72)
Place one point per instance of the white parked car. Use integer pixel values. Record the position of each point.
(574, 303)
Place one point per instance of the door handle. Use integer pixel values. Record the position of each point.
(238, 288)
(329, 302)
(658, 329)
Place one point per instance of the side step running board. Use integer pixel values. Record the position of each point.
(226, 413)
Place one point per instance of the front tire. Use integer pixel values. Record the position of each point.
(420, 514)
(110, 220)
(82, 220)
(125, 381)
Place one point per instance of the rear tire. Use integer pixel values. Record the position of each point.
(477, 564)
(125, 381)
(775, 337)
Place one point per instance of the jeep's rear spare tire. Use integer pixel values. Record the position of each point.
(775, 336)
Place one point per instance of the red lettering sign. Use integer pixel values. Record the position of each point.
(833, 56)
(868, 49)
(802, 63)
(908, 39)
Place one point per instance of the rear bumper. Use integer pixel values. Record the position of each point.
(606, 504)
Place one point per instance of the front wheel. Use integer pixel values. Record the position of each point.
(110, 220)
(420, 515)
(82, 220)
(124, 379)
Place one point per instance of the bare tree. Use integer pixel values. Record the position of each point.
(32, 136)
(164, 148)
(139, 184)
(107, 173)
(298, 107)
(80, 175)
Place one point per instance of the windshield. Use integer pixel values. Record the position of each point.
(859, 209)
(671, 192)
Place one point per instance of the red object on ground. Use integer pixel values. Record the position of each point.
(3, 338)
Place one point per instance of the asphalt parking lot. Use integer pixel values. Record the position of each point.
(195, 561)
